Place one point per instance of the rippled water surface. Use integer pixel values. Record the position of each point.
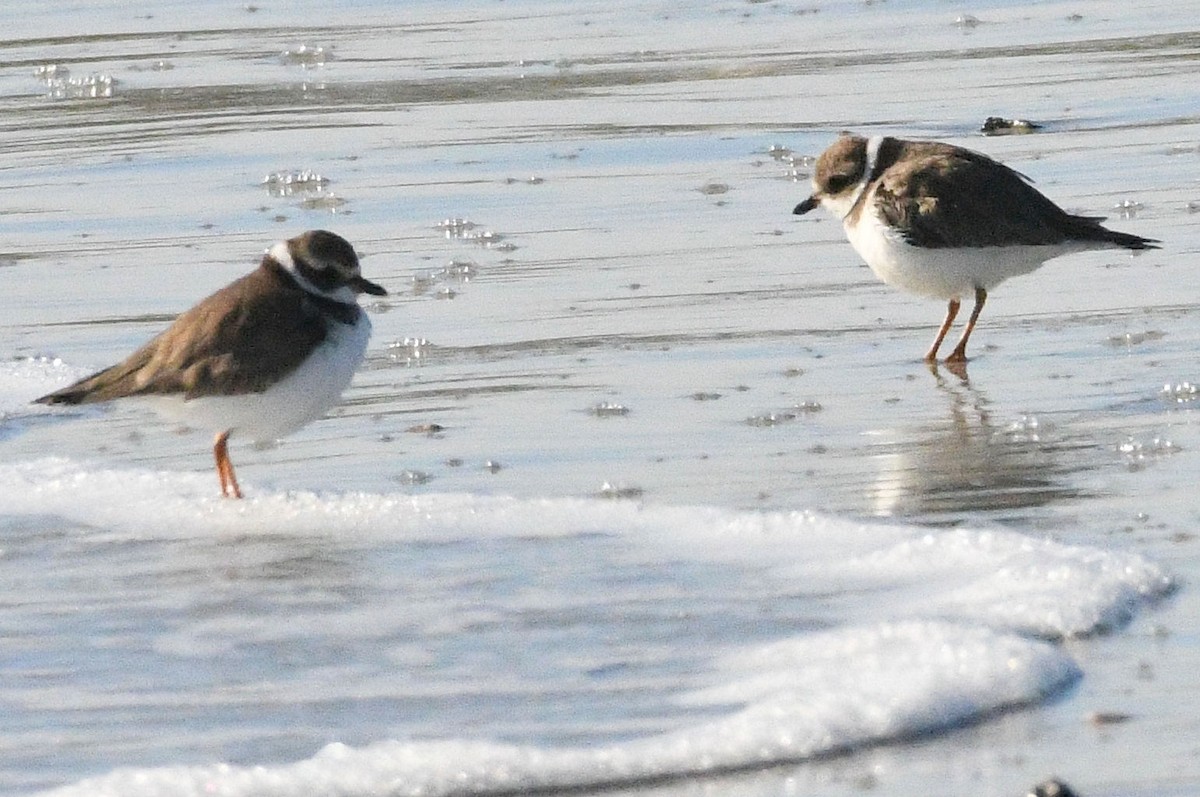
(583, 214)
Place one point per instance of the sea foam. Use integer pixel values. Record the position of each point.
(895, 631)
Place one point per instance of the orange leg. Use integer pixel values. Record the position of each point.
(959, 355)
(229, 485)
(951, 314)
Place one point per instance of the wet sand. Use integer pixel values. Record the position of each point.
(648, 320)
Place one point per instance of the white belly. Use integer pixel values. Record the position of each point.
(948, 273)
(296, 400)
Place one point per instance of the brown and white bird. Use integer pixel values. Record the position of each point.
(945, 222)
(259, 358)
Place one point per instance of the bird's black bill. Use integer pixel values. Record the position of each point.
(364, 285)
(806, 205)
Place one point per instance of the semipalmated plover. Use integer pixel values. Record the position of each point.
(261, 357)
(943, 221)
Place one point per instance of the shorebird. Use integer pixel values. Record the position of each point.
(260, 358)
(946, 222)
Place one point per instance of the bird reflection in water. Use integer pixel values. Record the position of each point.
(967, 462)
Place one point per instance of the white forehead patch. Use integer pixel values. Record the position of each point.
(280, 254)
(873, 145)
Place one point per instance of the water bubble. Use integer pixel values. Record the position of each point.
(1026, 429)
(1128, 208)
(460, 270)
(799, 166)
(613, 491)
(91, 87)
(411, 350)
(780, 417)
(609, 409)
(413, 477)
(307, 56)
(52, 72)
(286, 183)
(464, 230)
(454, 228)
(1180, 392)
(490, 240)
(60, 85)
(457, 271)
(485, 238)
(1138, 454)
(422, 281)
(768, 419)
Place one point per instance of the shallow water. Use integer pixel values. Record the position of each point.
(647, 320)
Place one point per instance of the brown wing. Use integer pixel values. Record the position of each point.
(239, 340)
(953, 197)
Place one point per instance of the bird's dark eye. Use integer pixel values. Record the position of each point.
(837, 183)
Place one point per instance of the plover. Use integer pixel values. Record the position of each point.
(943, 221)
(259, 358)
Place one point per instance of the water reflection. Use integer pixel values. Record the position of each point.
(968, 461)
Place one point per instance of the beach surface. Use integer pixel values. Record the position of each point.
(643, 486)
